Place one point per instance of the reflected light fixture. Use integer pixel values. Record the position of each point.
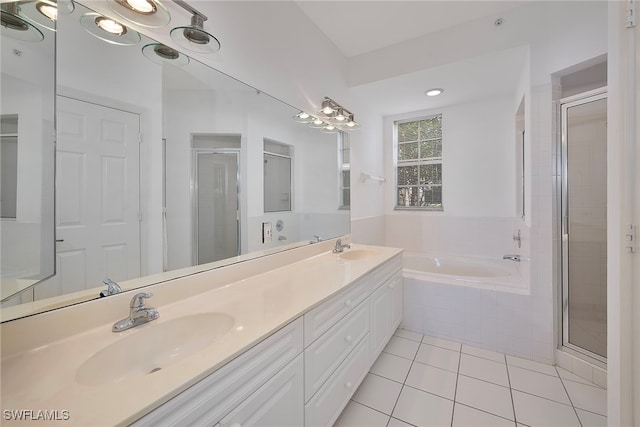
(194, 37)
(303, 117)
(147, 13)
(159, 53)
(108, 29)
(45, 12)
(434, 92)
(17, 27)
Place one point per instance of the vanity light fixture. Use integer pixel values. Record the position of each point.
(317, 123)
(194, 37)
(159, 53)
(338, 115)
(147, 13)
(17, 27)
(331, 118)
(434, 92)
(108, 29)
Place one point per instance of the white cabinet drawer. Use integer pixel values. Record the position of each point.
(206, 402)
(325, 407)
(318, 320)
(326, 353)
(385, 271)
(277, 403)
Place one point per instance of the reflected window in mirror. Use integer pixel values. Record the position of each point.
(277, 176)
(344, 168)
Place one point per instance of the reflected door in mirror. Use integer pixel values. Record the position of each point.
(217, 226)
(97, 194)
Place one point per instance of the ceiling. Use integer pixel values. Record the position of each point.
(488, 76)
(358, 27)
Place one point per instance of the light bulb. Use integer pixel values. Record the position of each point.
(47, 9)
(434, 92)
(329, 127)
(327, 110)
(303, 115)
(317, 122)
(110, 26)
(144, 7)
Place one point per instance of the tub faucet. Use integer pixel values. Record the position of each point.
(340, 247)
(138, 313)
(112, 288)
(515, 258)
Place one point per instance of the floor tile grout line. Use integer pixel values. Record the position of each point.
(533, 370)
(455, 392)
(570, 400)
(513, 404)
(485, 411)
(587, 383)
(370, 407)
(405, 379)
(545, 398)
(485, 381)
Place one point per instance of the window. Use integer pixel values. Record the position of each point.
(344, 169)
(419, 163)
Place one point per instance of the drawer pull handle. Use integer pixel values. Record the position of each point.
(348, 338)
(347, 303)
(348, 384)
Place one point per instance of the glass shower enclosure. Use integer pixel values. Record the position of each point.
(584, 223)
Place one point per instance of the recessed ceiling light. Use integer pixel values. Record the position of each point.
(434, 92)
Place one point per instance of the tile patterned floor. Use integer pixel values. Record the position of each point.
(425, 381)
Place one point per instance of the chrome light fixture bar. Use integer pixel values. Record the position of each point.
(331, 118)
(194, 37)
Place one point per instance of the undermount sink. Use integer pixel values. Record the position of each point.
(149, 348)
(357, 254)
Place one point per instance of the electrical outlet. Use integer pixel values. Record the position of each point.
(266, 232)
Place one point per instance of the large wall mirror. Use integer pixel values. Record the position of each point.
(160, 168)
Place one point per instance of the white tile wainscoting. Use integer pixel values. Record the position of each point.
(518, 325)
(421, 380)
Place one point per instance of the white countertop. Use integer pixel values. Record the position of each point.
(43, 377)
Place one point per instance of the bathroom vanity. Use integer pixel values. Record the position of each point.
(281, 340)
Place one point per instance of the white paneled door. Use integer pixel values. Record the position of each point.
(97, 197)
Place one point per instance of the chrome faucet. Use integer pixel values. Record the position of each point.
(138, 313)
(515, 258)
(112, 288)
(340, 247)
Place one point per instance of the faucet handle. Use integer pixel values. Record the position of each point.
(138, 299)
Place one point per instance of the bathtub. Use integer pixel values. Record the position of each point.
(484, 273)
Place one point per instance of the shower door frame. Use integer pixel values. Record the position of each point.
(565, 104)
(194, 196)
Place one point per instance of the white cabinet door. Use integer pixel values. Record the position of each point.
(279, 402)
(386, 313)
(380, 319)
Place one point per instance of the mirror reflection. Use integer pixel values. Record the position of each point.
(160, 170)
(26, 152)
